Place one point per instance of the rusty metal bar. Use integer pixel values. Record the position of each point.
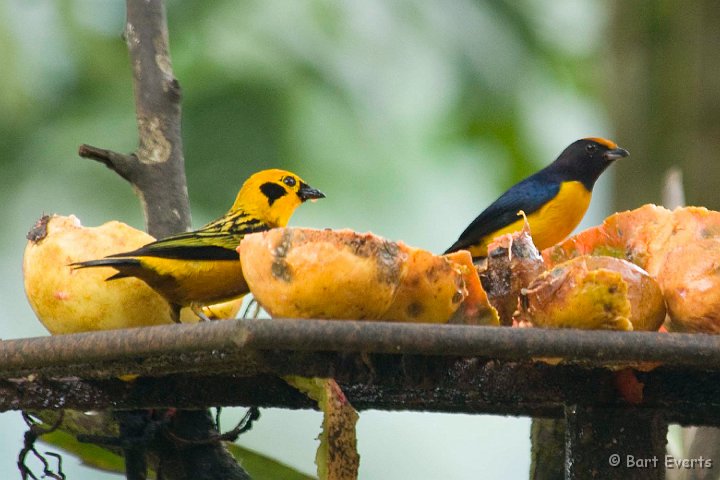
(385, 382)
(593, 347)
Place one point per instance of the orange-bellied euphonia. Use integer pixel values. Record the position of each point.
(554, 199)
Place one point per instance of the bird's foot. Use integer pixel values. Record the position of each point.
(197, 310)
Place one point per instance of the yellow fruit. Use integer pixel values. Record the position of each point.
(680, 249)
(305, 273)
(69, 301)
(690, 278)
(596, 300)
(647, 305)
(476, 308)
(594, 293)
(430, 289)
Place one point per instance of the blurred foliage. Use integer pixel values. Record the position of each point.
(665, 98)
(352, 95)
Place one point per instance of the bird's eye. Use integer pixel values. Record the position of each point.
(591, 148)
(289, 181)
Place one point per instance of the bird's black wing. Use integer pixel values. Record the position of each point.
(528, 195)
(218, 240)
(190, 246)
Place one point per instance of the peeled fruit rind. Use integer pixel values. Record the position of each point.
(69, 301)
(647, 305)
(679, 248)
(593, 300)
(306, 273)
(337, 457)
(632, 235)
(476, 309)
(690, 278)
(512, 263)
(594, 293)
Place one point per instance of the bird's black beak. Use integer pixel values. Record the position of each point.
(615, 153)
(307, 192)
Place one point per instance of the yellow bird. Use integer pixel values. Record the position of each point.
(202, 267)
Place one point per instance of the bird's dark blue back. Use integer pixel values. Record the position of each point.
(528, 195)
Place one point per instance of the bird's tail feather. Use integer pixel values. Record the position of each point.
(109, 262)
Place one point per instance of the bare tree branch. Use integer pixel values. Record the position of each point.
(157, 169)
(162, 186)
(117, 162)
(157, 173)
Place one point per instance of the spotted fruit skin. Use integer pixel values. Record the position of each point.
(341, 274)
(67, 300)
(594, 292)
(680, 249)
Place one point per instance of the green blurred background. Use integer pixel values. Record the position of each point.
(410, 115)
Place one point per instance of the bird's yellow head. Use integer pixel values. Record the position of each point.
(273, 195)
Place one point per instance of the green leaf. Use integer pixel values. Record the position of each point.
(91, 455)
(260, 467)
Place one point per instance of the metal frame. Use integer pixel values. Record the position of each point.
(567, 374)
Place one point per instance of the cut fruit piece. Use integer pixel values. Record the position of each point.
(594, 293)
(512, 263)
(70, 301)
(306, 273)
